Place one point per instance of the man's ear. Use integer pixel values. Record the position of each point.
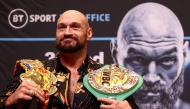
(113, 49)
(89, 33)
(185, 49)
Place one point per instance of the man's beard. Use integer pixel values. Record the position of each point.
(68, 48)
(166, 100)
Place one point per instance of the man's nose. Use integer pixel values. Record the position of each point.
(68, 31)
(151, 76)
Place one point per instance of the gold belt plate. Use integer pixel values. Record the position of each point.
(35, 72)
(113, 80)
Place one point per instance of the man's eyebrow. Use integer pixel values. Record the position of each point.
(169, 51)
(75, 23)
(133, 50)
(59, 24)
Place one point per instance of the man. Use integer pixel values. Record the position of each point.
(71, 64)
(150, 42)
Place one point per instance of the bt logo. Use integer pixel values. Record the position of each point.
(18, 18)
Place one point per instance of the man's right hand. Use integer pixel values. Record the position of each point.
(25, 92)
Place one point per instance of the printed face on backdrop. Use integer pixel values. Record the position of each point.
(150, 42)
(72, 32)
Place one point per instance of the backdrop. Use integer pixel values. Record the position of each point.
(27, 29)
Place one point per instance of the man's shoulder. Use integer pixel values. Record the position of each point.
(49, 61)
(50, 64)
(180, 104)
(93, 65)
(184, 105)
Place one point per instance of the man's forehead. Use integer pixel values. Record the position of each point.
(72, 20)
(72, 16)
(150, 32)
(141, 40)
(152, 28)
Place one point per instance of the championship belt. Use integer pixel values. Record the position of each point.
(35, 72)
(113, 81)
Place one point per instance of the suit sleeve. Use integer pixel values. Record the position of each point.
(11, 87)
(132, 102)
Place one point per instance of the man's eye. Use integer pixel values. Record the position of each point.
(75, 26)
(61, 27)
(167, 61)
(137, 60)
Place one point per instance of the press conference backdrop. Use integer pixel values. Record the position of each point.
(27, 29)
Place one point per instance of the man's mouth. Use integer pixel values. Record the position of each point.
(68, 39)
(153, 94)
(148, 93)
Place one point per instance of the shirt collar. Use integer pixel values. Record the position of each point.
(83, 69)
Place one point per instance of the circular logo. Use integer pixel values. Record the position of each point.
(18, 18)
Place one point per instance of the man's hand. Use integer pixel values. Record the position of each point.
(25, 92)
(113, 104)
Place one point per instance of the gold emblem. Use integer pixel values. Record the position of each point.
(35, 72)
(78, 87)
(61, 77)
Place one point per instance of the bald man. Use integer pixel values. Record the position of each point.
(69, 66)
(150, 42)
